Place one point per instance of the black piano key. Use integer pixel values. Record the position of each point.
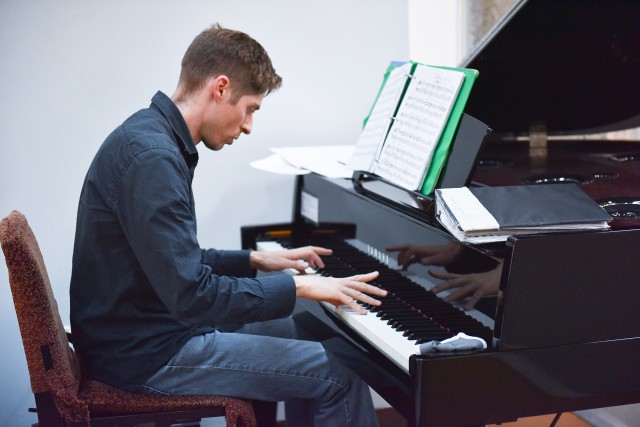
(426, 337)
(417, 318)
(407, 328)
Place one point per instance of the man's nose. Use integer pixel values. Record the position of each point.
(246, 125)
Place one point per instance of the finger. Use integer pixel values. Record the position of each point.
(472, 301)
(439, 288)
(309, 254)
(366, 288)
(315, 253)
(459, 294)
(427, 260)
(443, 275)
(361, 296)
(301, 265)
(444, 286)
(409, 257)
(367, 277)
(348, 301)
(314, 261)
(314, 256)
(320, 250)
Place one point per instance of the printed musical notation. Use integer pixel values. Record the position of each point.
(372, 136)
(417, 127)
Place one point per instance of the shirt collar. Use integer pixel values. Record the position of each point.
(170, 111)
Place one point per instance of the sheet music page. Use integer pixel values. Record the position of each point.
(372, 136)
(418, 125)
(326, 160)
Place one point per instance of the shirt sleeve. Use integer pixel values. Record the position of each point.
(155, 209)
(226, 262)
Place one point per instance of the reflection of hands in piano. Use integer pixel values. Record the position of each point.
(298, 259)
(340, 291)
(473, 286)
(440, 255)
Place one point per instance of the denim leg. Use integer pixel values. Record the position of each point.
(269, 368)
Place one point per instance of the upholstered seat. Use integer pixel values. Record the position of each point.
(64, 397)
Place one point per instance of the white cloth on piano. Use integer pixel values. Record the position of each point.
(460, 342)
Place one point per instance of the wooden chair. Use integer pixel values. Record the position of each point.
(64, 397)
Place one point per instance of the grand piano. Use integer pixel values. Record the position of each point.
(564, 332)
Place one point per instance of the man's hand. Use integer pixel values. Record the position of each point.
(298, 259)
(474, 285)
(340, 291)
(428, 255)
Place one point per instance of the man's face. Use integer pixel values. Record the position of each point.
(224, 123)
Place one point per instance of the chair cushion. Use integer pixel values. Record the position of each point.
(103, 398)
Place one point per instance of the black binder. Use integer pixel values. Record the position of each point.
(518, 209)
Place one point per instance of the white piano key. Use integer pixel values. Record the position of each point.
(376, 331)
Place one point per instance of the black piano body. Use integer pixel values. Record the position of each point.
(565, 334)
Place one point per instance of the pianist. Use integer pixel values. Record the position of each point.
(147, 303)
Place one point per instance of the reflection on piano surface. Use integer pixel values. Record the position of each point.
(565, 333)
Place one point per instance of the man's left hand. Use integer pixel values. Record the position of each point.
(299, 259)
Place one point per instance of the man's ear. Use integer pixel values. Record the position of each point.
(220, 87)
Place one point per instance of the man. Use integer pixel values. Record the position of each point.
(149, 306)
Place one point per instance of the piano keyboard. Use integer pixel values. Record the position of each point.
(409, 314)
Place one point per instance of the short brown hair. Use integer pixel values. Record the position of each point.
(217, 51)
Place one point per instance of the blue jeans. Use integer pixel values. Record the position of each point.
(265, 361)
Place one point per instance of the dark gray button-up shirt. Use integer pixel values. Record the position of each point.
(141, 286)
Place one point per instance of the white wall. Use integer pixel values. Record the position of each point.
(435, 31)
(72, 70)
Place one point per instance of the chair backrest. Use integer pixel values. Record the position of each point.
(53, 366)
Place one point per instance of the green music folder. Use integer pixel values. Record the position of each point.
(408, 133)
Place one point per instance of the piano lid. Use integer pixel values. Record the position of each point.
(573, 65)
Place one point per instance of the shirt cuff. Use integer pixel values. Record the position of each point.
(280, 295)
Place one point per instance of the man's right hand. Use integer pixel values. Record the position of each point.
(340, 291)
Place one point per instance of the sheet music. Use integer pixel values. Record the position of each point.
(326, 160)
(417, 127)
(370, 141)
(276, 164)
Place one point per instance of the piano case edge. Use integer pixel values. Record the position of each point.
(496, 387)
